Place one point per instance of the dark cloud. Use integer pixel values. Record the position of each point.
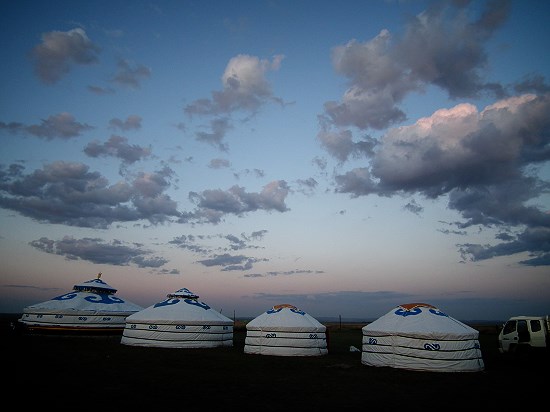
(245, 89)
(213, 204)
(219, 128)
(340, 144)
(59, 50)
(235, 242)
(439, 47)
(101, 90)
(321, 163)
(117, 146)
(219, 163)
(307, 186)
(484, 162)
(70, 194)
(190, 242)
(12, 127)
(532, 83)
(230, 263)
(131, 76)
(96, 250)
(253, 275)
(169, 271)
(294, 272)
(259, 173)
(259, 234)
(413, 207)
(132, 122)
(61, 126)
(442, 47)
(535, 241)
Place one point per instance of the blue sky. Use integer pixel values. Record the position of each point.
(345, 157)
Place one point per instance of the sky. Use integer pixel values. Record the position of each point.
(344, 157)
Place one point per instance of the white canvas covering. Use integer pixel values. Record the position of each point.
(90, 306)
(285, 330)
(180, 321)
(418, 336)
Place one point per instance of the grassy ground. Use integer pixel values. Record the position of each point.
(89, 372)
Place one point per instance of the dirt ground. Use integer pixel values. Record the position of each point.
(90, 372)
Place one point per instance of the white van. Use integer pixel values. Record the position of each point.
(524, 333)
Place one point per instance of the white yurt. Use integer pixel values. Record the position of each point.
(285, 330)
(91, 306)
(180, 321)
(419, 336)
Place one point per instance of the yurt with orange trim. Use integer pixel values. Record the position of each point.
(419, 336)
(285, 330)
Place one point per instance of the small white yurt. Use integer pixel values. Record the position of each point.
(285, 330)
(180, 321)
(419, 336)
(91, 306)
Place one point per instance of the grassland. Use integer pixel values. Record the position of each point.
(91, 372)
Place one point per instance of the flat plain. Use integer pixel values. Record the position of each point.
(96, 371)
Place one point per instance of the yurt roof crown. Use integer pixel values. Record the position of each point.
(182, 293)
(95, 286)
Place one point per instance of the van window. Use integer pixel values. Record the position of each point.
(535, 326)
(509, 327)
(523, 332)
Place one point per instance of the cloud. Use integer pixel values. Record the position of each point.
(340, 144)
(413, 207)
(189, 242)
(258, 235)
(69, 193)
(532, 83)
(485, 162)
(62, 126)
(259, 173)
(131, 76)
(219, 128)
(439, 47)
(59, 50)
(132, 122)
(306, 186)
(245, 89)
(100, 90)
(536, 241)
(213, 204)
(117, 146)
(96, 250)
(230, 263)
(295, 272)
(219, 164)
(455, 148)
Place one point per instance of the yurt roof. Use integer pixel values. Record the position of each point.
(182, 306)
(92, 296)
(285, 317)
(420, 319)
(95, 286)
